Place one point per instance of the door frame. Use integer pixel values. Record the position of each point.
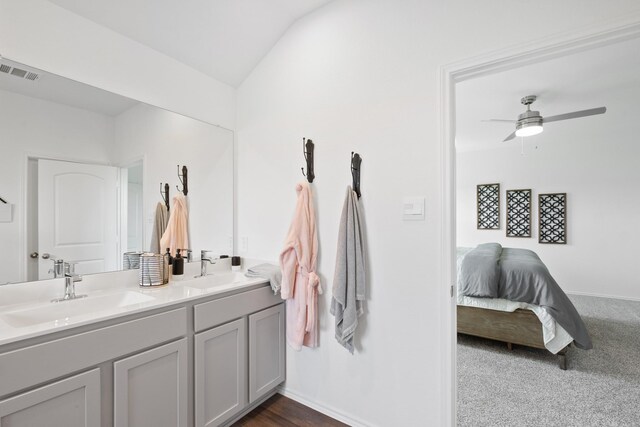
(562, 44)
(24, 185)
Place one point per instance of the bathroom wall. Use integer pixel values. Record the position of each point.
(166, 140)
(31, 126)
(362, 76)
(46, 36)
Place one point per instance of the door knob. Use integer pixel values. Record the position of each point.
(34, 255)
(45, 256)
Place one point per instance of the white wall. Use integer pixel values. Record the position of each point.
(166, 140)
(30, 126)
(596, 163)
(46, 36)
(362, 75)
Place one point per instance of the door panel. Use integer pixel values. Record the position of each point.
(77, 216)
(150, 388)
(266, 351)
(220, 373)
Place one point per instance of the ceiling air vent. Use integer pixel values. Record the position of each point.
(19, 72)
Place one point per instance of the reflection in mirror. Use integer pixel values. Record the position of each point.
(80, 171)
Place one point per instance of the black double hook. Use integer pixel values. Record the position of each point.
(356, 161)
(307, 150)
(165, 194)
(183, 180)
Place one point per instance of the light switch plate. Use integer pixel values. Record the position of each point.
(413, 208)
(6, 212)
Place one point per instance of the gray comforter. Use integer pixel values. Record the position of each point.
(491, 271)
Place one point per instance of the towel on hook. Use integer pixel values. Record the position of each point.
(300, 283)
(176, 236)
(349, 282)
(159, 226)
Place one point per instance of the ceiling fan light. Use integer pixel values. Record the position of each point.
(529, 130)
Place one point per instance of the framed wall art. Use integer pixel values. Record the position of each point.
(519, 213)
(552, 218)
(488, 199)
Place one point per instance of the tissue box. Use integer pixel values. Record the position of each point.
(5, 212)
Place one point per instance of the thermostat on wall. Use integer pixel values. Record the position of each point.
(413, 209)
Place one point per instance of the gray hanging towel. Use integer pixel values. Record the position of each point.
(159, 226)
(349, 280)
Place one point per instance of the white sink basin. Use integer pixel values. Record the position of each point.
(214, 280)
(60, 312)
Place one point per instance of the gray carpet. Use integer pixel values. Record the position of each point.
(525, 387)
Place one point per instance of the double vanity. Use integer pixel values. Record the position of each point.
(201, 351)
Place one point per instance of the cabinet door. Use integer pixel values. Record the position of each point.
(74, 402)
(266, 351)
(150, 388)
(221, 373)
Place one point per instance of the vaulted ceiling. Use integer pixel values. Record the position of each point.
(224, 39)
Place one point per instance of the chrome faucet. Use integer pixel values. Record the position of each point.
(58, 268)
(203, 262)
(70, 279)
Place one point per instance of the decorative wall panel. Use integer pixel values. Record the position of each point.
(552, 218)
(488, 206)
(519, 213)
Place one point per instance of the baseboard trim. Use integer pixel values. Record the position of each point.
(330, 412)
(589, 294)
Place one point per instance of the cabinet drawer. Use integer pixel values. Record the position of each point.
(217, 312)
(33, 365)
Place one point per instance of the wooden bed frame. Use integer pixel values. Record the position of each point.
(520, 327)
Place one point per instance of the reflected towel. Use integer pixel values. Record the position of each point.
(176, 236)
(347, 303)
(159, 226)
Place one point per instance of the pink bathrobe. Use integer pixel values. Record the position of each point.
(300, 283)
(176, 236)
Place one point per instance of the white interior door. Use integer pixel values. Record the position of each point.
(77, 216)
(134, 217)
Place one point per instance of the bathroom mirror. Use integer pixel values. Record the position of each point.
(81, 172)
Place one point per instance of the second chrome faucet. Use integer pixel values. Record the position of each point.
(204, 259)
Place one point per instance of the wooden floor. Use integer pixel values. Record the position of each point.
(280, 411)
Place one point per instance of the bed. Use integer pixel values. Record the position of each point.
(508, 295)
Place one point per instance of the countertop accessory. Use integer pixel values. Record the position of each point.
(165, 195)
(131, 260)
(152, 270)
(236, 263)
(183, 180)
(356, 161)
(307, 150)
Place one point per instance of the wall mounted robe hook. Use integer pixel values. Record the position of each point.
(356, 161)
(307, 150)
(165, 195)
(183, 180)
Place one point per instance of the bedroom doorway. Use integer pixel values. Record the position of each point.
(471, 83)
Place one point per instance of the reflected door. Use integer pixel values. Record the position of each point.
(77, 216)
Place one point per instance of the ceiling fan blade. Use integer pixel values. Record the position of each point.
(498, 120)
(510, 137)
(575, 115)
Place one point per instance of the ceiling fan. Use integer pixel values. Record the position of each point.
(530, 122)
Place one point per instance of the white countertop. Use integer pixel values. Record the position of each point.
(26, 310)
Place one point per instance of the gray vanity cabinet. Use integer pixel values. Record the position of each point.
(150, 388)
(72, 402)
(220, 373)
(266, 351)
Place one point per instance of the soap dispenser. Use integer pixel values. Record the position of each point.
(178, 266)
